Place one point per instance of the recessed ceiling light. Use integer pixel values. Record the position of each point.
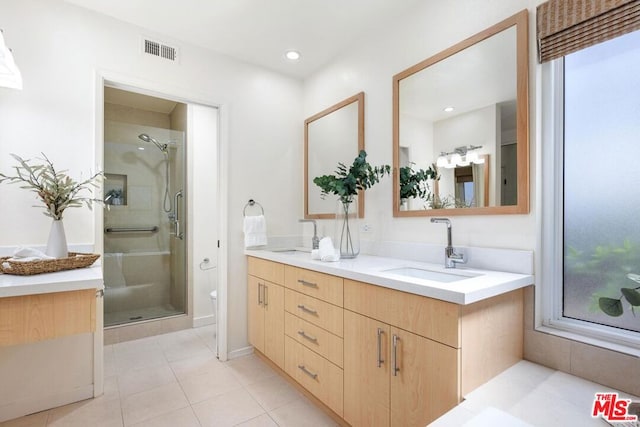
(141, 148)
(292, 55)
(448, 109)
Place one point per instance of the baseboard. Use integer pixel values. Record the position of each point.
(240, 352)
(204, 321)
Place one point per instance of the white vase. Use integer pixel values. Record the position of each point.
(57, 243)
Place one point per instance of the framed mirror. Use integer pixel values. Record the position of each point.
(331, 136)
(464, 113)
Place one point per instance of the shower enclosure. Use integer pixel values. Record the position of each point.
(144, 223)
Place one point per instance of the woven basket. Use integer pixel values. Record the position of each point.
(21, 268)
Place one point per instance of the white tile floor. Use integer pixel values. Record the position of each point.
(529, 395)
(175, 380)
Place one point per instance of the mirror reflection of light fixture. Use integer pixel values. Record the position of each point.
(9, 73)
(460, 156)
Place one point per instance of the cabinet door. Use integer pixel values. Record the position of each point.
(255, 312)
(366, 385)
(273, 302)
(425, 384)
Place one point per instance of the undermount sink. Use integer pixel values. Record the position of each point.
(437, 276)
(289, 251)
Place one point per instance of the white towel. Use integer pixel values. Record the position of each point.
(29, 254)
(255, 231)
(327, 251)
(23, 254)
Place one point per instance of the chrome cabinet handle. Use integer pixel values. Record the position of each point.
(380, 360)
(308, 372)
(395, 355)
(308, 310)
(309, 284)
(266, 295)
(260, 286)
(309, 337)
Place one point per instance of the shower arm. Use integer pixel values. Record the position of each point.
(176, 216)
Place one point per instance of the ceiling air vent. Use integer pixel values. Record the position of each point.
(159, 49)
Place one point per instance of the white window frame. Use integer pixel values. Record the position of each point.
(549, 317)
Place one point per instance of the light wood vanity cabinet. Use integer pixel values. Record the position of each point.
(378, 356)
(408, 359)
(265, 308)
(395, 377)
(32, 318)
(314, 330)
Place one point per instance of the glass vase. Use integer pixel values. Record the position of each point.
(347, 227)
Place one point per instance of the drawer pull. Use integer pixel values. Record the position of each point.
(308, 372)
(308, 310)
(266, 295)
(380, 359)
(309, 284)
(395, 355)
(309, 337)
(260, 288)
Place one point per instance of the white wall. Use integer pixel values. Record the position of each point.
(369, 66)
(204, 209)
(60, 50)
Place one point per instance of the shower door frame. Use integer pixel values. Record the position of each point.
(144, 87)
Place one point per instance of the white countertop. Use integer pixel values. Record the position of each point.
(371, 269)
(61, 281)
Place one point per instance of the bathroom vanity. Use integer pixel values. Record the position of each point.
(383, 341)
(50, 340)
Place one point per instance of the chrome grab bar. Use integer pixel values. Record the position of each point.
(153, 229)
(176, 215)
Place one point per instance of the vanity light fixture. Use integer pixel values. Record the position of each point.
(460, 156)
(9, 73)
(292, 55)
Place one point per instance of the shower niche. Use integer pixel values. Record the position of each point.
(144, 245)
(115, 189)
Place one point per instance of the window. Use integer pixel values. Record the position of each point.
(591, 188)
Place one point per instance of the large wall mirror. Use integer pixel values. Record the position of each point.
(331, 136)
(463, 116)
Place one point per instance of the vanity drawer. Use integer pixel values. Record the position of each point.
(319, 313)
(428, 317)
(323, 286)
(267, 270)
(315, 373)
(315, 338)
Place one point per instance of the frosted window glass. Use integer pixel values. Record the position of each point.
(602, 182)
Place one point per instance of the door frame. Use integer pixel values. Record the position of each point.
(146, 87)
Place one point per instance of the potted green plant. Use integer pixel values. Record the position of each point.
(346, 183)
(57, 191)
(414, 183)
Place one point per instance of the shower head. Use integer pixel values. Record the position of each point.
(147, 138)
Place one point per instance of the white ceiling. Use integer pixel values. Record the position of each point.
(260, 31)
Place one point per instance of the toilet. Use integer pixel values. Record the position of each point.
(214, 302)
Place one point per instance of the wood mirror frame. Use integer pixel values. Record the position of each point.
(520, 22)
(357, 100)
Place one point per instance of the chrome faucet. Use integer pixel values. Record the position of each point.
(315, 241)
(451, 257)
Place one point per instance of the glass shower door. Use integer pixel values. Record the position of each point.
(144, 227)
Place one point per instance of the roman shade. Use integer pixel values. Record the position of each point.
(565, 26)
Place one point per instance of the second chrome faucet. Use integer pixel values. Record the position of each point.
(315, 240)
(451, 257)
